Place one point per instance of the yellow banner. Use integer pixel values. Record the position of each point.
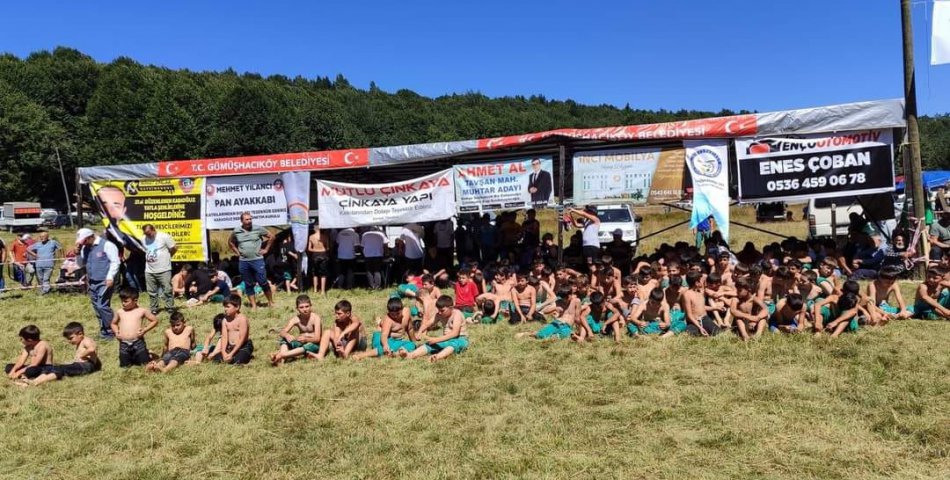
(667, 183)
(174, 206)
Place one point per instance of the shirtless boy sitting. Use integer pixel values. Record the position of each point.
(35, 360)
(524, 299)
(179, 340)
(85, 361)
(127, 325)
(309, 329)
(235, 346)
(347, 334)
(748, 312)
(395, 332)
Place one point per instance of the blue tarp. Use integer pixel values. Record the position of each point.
(932, 179)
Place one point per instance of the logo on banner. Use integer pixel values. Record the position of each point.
(706, 162)
(186, 185)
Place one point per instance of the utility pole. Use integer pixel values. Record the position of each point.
(914, 178)
(69, 209)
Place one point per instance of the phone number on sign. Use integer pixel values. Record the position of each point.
(815, 182)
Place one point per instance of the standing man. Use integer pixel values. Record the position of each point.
(20, 271)
(539, 184)
(3, 262)
(374, 245)
(346, 242)
(159, 250)
(101, 259)
(43, 253)
(246, 241)
(414, 248)
(589, 223)
(318, 249)
(445, 244)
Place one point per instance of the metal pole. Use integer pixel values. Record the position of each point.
(563, 152)
(913, 133)
(834, 222)
(79, 212)
(62, 175)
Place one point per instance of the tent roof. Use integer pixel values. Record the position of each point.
(932, 179)
(851, 116)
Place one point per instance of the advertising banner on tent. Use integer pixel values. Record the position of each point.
(667, 184)
(523, 183)
(815, 166)
(174, 206)
(709, 168)
(423, 199)
(226, 198)
(614, 175)
(282, 162)
(297, 192)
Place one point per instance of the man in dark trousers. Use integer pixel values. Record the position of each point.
(101, 259)
(539, 183)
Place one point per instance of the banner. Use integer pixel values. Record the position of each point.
(709, 168)
(815, 166)
(524, 183)
(614, 175)
(667, 183)
(344, 205)
(281, 162)
(226, 198)
(297, 192)
(173, 206)
(940, 41)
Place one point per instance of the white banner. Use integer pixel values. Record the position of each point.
(425, 199)
(940, 42)
(228, 197)
(708, 162)
(614, 175)
(525, 183)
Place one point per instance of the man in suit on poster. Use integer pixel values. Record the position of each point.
(539, 183)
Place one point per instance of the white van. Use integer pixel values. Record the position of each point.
(819, 213)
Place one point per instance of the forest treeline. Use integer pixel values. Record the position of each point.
(125, 112)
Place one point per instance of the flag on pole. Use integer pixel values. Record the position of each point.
(709, 167)
(940, 42)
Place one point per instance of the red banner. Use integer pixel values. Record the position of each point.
(734, 126)
(283, 162)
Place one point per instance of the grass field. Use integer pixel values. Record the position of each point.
(875, 404)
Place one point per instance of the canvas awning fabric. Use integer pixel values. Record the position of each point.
(852, 116)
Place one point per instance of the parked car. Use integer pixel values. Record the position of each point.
(618, 216)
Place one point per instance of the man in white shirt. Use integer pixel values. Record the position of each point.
(414, 247)
(346, 242)
(374, 243)
(100, 257)
(159, 250)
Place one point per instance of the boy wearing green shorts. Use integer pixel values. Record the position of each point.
(454, 338)
(306, 342)
(395, 332)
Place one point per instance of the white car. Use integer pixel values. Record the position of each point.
(618, 216)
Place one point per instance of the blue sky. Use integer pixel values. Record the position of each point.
(707, 55)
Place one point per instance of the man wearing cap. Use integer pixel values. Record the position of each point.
(159, 250)
(101, 260)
